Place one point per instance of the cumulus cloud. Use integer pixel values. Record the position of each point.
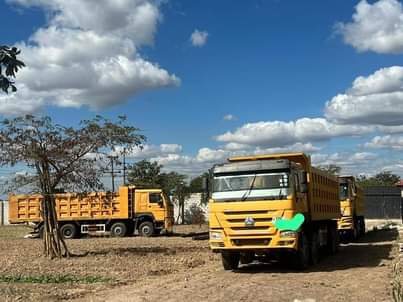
(151, 151)
(229, 117)
(280, 133)
(351, 163)
(376, 99)
(375, 27)
(199, 38)
(87, 54)
(386, 142)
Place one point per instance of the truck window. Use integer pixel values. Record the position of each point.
(344, 194)
(155, 198)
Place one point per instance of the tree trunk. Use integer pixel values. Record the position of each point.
(54, 244)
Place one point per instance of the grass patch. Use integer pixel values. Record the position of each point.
(45, 279)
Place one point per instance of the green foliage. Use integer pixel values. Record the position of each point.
(331, 169)
(45, 279)
(195, 215)
(148, 174)
(385, 178)
(196, 184)
(145, 174)
(9, 65)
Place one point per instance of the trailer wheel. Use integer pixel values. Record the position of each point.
(230, 260)
(302, 257)
(68, 231)
(118, 229)
(146, 229)
(314, 248)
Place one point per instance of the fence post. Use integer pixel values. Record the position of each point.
(2, 212)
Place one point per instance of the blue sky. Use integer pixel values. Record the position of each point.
(271, 65)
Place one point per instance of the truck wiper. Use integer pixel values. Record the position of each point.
(247, 193)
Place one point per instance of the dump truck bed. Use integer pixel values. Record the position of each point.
(72, 206)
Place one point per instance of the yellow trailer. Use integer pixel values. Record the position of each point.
(351, 223)
(148, 211)
(274, 205)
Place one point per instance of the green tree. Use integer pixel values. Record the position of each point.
(148, 174)
(331, 169)
(9, 65)
(59, 156)
(385, 178)
(145, 174)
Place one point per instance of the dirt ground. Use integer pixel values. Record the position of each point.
(180, 269)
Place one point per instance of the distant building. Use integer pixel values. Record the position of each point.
(3, 212)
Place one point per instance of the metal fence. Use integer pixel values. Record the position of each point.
(383, 202)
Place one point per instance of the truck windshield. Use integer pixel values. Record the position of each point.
(251, 186)
(344, 191)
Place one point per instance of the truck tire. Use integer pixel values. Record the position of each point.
(230, 260)
(146, 229)
(69, 231)
(302, 255)
(362, 219)
(246, 258)
(314, 248)
(332, 245)
(118, 229)
(356, 229)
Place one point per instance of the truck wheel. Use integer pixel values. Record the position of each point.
(146, 229)
(68, 231)
(356, 229)
(332, 245)
(314, 248)
(362, 219)
(301, 257)
(246, 258)
(230, 260)
(118, 229)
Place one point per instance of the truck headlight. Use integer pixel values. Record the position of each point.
(215, 236)
(288, 234)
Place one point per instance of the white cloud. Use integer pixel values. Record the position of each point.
(199, 38)
(376, 99)
(375, 27)
(280, 134)
(351, 163)
(152, 151)
(229, 117)
(386, 142)
(87, 55)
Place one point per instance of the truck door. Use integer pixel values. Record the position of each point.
(156, 206)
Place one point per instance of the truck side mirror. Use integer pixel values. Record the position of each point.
(205, 184)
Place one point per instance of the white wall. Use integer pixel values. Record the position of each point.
(3, 212)
(193, 199)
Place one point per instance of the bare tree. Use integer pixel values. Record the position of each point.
(61, 156)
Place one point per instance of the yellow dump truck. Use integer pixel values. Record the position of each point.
(148, 211)
(272, 206)
(351, 223)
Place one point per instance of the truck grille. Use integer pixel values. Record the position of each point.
(234, 224)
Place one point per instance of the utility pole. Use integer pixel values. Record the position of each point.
(124, 166)
(112, 171)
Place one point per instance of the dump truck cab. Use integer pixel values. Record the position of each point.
(264, 205)
(351, 223)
